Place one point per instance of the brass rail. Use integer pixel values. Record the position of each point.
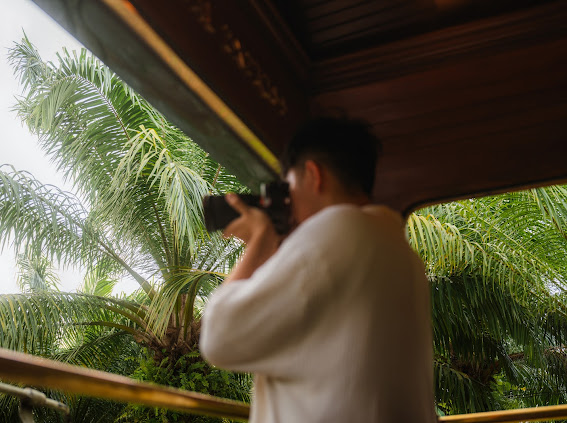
(520, 415)
(127, 12)
(39, 372)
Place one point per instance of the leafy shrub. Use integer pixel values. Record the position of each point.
(192, 373)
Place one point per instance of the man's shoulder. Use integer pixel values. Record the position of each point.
(337, 212)
(348, 216)
(344, 224)
(330, 220)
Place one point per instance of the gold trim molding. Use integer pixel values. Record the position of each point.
(129, 15)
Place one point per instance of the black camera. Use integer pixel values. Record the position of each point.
(274, 199)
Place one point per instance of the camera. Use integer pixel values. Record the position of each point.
(274, 200)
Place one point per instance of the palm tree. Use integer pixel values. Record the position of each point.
(140, 183)
(497, 268)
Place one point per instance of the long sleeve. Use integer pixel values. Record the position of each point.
(251, 324)
(329, 324)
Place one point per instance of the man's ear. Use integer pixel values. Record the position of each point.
(314, 174)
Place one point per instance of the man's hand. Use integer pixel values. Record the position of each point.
(255, 228)
(253, 223)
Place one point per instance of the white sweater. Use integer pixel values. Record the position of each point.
(336, 325)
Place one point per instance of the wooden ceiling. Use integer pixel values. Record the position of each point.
(331, 28)
(468, 96)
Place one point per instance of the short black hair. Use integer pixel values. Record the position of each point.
(347, 147)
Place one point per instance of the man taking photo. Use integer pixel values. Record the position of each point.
(333, 320)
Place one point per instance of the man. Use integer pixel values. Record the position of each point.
(334, 321)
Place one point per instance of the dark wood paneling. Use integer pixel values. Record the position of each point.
(330, 29)
(337, 22)
(466, 110)
(107, 36)
(230, 46)
(483, 124)
(440, 48)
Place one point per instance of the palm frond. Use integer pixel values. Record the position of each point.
(82, 112)
(42, 323)
(497, 268)
(36, 273)
(43, 220)
(149, 172)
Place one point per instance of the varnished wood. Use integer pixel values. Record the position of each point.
(488, 123)
(229, 45)
(441, 48)
(38, 372)
(464, 110)
(333, 28)
(534, 414)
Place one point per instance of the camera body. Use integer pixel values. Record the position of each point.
(274, 200)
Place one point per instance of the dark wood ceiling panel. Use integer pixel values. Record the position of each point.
(478, 117)
(355, 16)
(332, 26)
(330, 29)
(469, 96)
(486, 37)
(232, 48)
(495, 160)
(364, 20)
(470, 91)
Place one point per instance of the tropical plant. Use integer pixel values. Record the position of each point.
(497, 268)
(497, 265)
(140, 183)
(36, 273)
(190, 372)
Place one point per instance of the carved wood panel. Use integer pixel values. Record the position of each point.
(230, 46)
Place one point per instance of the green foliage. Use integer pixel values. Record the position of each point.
(142, 180)
(191, 373)
(138, 213)
(36, 273)
(497, 268)
(113, 352)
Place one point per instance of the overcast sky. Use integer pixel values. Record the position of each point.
(17, 146)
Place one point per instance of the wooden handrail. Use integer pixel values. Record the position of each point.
(39, 372)
(534, 414)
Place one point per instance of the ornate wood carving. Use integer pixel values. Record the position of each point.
(253, 71)
(203, 10)
(242, 57)
(231, 47)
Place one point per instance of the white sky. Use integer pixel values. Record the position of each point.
(17, 146)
